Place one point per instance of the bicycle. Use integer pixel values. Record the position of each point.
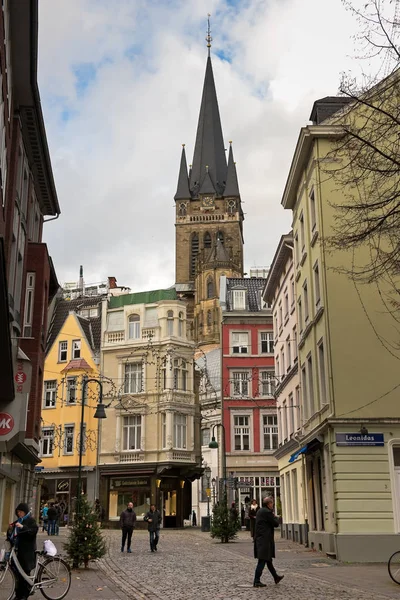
(394, 567)
(52, 575)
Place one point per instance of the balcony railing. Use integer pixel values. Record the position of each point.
(115, 337)
(131, 457)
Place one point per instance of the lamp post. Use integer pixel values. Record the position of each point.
(214, 444)
(207, 473)
(213, 482)
(99, 414)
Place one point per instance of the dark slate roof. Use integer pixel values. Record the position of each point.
(253, 285)
(182, 191)
(326, 107)
(91, 326)
(232, 185)
(207, 186)
(209, 148)
(218, 253)
(142, 298)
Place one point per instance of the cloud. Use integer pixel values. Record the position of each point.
(121, 85)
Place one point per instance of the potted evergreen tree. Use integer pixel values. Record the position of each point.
(224, 526)
(85, 541)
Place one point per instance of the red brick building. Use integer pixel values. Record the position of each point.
(27, 278)
(248, 386)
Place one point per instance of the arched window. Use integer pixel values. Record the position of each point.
(220, 237)
(170, 322)
(182, 209)
(231, 207)
(209, 318)
(210, 288)
(207, 240)
(180, 324)
(194, 250)
(134, 327)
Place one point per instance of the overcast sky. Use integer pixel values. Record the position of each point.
(121, 85)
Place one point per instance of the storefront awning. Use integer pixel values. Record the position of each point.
(296, 455)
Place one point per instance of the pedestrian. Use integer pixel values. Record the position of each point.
(127, 522)
(254, 508)
(194, 519)
(22, 534)
(45, 509)
(98, 510)
(52, 519)
(153, 518)
(58, 518)
(264, 542)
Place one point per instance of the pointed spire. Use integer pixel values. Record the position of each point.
(182, 192)
(232, 185)
(209, 147)
(207, 185)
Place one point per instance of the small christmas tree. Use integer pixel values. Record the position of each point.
(85, 541)
(224, 525)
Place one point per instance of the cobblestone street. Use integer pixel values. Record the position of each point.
(190, 565)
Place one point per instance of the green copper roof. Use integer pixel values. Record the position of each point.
(142, 298)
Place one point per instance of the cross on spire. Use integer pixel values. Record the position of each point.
(208, 38)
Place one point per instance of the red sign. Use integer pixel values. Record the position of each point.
(20, 377)
(6, 423)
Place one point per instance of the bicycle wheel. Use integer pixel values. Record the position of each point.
(394, 567)
(7, 582)
(55, 578)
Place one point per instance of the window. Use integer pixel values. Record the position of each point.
(242, 432)
(180, 425)
(292, 291)
(304, 392)
(76, 349)
(267, 342)
(69, 439)
(322, 377)
(231, 207)
(29, 298)
(47, 441)
(62, 351)
(285, 434)
(182, 209)
(209, 318)
(240, 342)
(280, 317)
(207, 240)
(133, 378)
(164, 374)
(194, 250)
(296, 248)
(270, 432)
(312, 211)
(286, 304)
(239, 299)
(290, 415)
(50, 393)
(184, 375)
(300, 314)
(180, 325)
(131, 432)
(288, 353)
(134, 327)
(240, 383)
(210, 288)
(306, 311)
(302, 238)
(176, 373)
(310, 384)
(205, 436)
(267, 383)
(115, 321)
(71, 390)
(164, 429)
(170, 322)
(316, 285)
(220, 237)
(294, 344)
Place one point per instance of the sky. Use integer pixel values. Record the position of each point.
(121, 85)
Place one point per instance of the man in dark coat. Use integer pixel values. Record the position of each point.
(153, 518)
(127, 522)
(264, 543)
(22, 533)
(52, 519)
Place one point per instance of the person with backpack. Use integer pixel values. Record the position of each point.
(44, 516)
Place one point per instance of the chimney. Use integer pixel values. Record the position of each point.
(81, 284)
(112, 283)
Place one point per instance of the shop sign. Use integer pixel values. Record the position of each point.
(6, 423)
(63, 486)
(133, 482)
(360, 439)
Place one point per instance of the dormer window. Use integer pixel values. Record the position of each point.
(239, 299)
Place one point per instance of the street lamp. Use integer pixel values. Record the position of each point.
(213, 482)
(99, 414)
(214, 444)
(207, 473)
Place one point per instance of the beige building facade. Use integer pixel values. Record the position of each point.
(350, 422)
(150, 442)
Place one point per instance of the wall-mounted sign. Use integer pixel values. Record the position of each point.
(360, 439)
(63, 485)
(132, 482)
(6, 423)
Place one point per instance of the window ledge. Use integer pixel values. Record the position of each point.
(314, 237)
(303, 258)
(298, 273)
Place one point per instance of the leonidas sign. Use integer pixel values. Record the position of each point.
(6, 423)
(359, 439)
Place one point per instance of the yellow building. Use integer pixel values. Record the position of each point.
(73, 353)
(150, 441)
(350, 421)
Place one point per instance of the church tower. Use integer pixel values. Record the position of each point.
(209, 219)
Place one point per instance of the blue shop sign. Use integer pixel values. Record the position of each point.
(359, 439)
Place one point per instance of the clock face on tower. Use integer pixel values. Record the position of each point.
(208, 201)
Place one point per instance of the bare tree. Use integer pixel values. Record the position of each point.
(367, 155)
